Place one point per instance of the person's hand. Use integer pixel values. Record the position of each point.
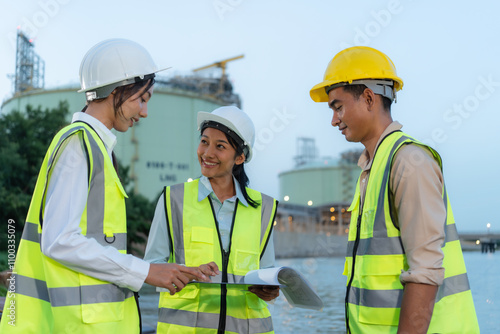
(265, 292)
(173, 277)
(209, 269)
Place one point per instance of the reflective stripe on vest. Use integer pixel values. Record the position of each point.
(117, 240)
(96, 196)
(51, 295)
(195, 240)
(211, 321)
(374, 292)
(387, 246)
(88, 294)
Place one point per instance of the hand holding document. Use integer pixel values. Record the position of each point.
(295, 287)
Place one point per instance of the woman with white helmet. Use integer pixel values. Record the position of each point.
(217, 220)
(72, 271)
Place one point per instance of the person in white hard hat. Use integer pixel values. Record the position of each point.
(72, 273)
(216, 219)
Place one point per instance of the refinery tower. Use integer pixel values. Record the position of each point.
(159, 150)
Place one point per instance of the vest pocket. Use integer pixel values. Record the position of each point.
(379, 316)
(102, 302)
(254, 302)
(245, 261)
(202, 234)
(190, 291)
(367, 222)
(183, 307)
(380, 298)
(200, 248)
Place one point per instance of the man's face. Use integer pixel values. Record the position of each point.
(350, 115)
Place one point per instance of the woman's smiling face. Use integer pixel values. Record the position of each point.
(216, 155)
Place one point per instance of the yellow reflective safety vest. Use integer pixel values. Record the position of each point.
(375, 258)
(51, 298)
(194, 235)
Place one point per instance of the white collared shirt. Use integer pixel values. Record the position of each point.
(158, 247)
(65, 202)
(223, 211)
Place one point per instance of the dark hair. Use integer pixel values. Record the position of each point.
(357, 90)
(238, 170)
(123, 93)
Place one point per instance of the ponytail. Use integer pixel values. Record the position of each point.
(242, 178)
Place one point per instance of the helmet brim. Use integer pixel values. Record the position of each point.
(318, 92)
(112, 82)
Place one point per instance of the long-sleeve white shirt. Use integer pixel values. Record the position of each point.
(66, 199)
(158, 247)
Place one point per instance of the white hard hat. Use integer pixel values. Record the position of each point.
(235, 120)
(113, 63)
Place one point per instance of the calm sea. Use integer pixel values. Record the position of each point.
(325, 275)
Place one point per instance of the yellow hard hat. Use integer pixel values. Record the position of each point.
(359, 64)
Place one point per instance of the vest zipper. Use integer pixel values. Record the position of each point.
(354, 251)
(223, 301)
(225, 264)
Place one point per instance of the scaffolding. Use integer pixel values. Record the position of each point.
(202, 86)
(30, 68)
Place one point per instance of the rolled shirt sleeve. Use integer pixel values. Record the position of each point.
(416, 185)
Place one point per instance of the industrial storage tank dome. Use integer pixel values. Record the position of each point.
(160, 149)
(319, 183)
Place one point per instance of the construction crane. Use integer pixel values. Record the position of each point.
(222, 65)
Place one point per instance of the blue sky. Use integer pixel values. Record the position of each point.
(446, 52)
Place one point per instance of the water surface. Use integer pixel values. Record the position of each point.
(325, 275)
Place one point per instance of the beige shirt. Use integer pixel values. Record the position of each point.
(416, 185)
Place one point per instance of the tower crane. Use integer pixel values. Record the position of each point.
(222, 65)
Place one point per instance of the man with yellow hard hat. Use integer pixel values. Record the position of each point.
(404, 264)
